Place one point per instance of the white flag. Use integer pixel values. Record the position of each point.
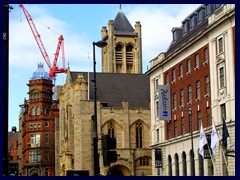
(214, 139)
(203, 141)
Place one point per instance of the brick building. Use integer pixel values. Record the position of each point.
(13, 152)
(38, 115)
(199, 67)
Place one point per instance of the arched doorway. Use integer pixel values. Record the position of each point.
(119, 170)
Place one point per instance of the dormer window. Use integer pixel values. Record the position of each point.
(201, 14)
(185, 26)
(176, 32)
(193, 21)
(209, 9)
(217, 6)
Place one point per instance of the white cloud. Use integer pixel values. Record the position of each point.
(157, 22)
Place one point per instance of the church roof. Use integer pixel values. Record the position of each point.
(121, 24)
(113, 88)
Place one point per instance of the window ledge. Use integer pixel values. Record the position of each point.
(205, 63)
(196, 68)
(188, 73)
(174, 110)
(197, 99)
(189, 103)
(181, 107)
(173, 82)
(206, 95)
(180, 77)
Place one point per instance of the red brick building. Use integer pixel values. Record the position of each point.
(38, 133)
(13, 152)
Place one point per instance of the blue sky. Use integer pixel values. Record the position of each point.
(80, 25)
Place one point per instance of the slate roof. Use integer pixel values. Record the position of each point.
(113, 88)
(122, 25)
(182, 39)
(11, 138)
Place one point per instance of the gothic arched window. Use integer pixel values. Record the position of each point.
(111, 129)
(139, 135)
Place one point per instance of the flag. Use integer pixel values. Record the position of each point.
(225, 134)
(214, 139)
(202, 142)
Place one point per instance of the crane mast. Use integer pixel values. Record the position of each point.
(53, 69)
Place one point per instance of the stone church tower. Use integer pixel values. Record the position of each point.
(124, 51)
(123, 108)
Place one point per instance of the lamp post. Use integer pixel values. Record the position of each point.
(191, 131)
(100, 44)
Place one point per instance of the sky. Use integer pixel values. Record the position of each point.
(80, 25)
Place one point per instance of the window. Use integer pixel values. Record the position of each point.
(33, 111)
(200, 15)
(208, 116)
(220, 45)
(174, 101)
(138, 135)
(35, 139)
(189, 94)
(209, 9)
(206, 55)
(188, 66)
(198, 90)
(184, 165)
(157, 109)
(196, 61)
(223, 111)
(144, 161)
(181, 97)
(34, 155)
(157, 133)
(174, 75)
(199, 119)
(175, 128)
(193, 21)
(46, 123)
(111, 129)
(38, 110)
(169, 130)
(167, 79)
(169, 165)
(221, 73)
(182, 125)
(156, 85)
(180, 70)
(207, 85)
(176, 165)
(46, 138)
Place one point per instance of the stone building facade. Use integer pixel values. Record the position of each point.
(122, 110)
(199, 66)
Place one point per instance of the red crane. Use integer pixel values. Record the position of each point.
(53, 69)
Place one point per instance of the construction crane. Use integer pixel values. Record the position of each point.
(52, 69)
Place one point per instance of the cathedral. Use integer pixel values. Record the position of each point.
(123, 108)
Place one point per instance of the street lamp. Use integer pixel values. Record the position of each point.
(191, 131)
(100, 44)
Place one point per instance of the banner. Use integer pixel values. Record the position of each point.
(164, 101)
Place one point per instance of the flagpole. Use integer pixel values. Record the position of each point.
(224, 157)
(221, 149)
(214, 165)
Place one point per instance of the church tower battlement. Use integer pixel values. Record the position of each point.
(124, 51)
